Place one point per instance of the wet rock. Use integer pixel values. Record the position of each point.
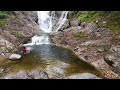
(15, 57)
(60, 30)
(83, 76)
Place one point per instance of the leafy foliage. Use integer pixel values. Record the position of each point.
(4, 14)
(112, 18)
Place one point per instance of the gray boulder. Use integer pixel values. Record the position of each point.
(15, 57)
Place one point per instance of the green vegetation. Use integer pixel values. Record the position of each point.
(111, 18)
(78, 35)
(89, 16)
(2, 22)
(3, 16)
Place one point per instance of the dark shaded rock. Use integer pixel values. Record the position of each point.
(60, 30)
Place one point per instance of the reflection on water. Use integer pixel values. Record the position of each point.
(43, 55)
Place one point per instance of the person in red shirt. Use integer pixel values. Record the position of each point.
(24, 50)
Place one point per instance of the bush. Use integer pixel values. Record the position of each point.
(4, 14)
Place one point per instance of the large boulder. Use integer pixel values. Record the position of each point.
(15, 57)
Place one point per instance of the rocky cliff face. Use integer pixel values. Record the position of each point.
(17, 29)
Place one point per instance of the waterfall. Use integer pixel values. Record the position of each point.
(48, 23)
(61, 20)
(45, 21)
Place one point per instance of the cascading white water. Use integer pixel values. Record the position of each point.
(62, 20)
(38, 40)
(45, 20)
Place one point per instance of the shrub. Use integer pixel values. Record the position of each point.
(4, 14)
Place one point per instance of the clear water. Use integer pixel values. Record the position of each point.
(43, 55)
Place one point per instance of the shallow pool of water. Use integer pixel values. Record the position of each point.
(41, 56)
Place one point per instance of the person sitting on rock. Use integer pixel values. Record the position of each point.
(24, 50)
(79, 25)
